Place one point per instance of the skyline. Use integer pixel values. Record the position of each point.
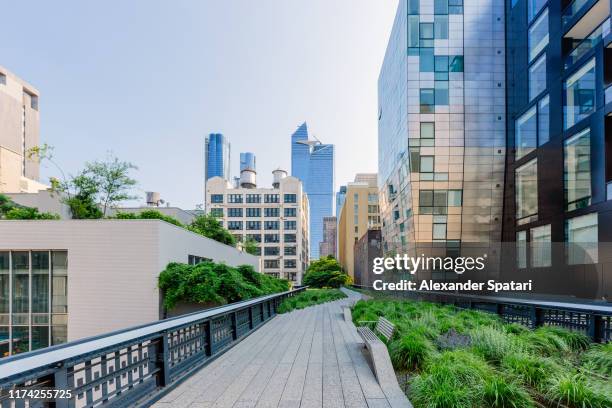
(139, 108)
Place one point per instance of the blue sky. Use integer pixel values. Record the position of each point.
(148, 79)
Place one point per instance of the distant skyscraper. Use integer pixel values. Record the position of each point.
(340, 197)
(217, 154)
(328, 245)
(247, 161)
(313, 163)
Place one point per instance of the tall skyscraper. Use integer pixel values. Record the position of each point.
(217, 157)
(19, 132)
(313, 163)
(441, 140)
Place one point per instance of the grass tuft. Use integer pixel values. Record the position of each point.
(411, 351)
(310, 297)
(498, 392)
(574, 391)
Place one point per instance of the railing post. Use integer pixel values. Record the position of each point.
(234, 324)
(251, 318)
(537, 316)
(594, 329)
(60, 382)
(164, 360)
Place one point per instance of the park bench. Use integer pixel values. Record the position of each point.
(381, 362)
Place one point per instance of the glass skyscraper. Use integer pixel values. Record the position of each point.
(313, 163)
(217, 155)
(247, 161)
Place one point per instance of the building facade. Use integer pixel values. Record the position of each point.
(313, 163)
(247, 161)
(217, 157)
(441, 122)
(328, 245)
(276, 218)
(65, 280)
(368, 247)
(19, 132)
(359, 213)
(559, 162)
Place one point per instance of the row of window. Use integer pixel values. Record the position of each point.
(268, 238)
(253, 198)
(270, 212)
(275, 251)
(437, 201)
(275, 263)
(581, 234)
(256, 225)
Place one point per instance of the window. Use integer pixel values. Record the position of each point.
(521, 249)
(433, 201)
(372, 198)
(254, 237)
(290, 225)
(533, 7)
(194, 259)
(526, 132)
(413, 32)
(290, 212)
(456, 64)
(253, 225)
(454, 198)
(290, 250)
(271, 198)
(526, 180)
(234, 198)
(216, 212)
(537, 77)
(426, 59)
(271, 263)
(234, 212)
(441, 93)
(427, 133)
(440, 6)
(356, 219)
(271, 238)
(441, 27)
(543, 121)
(372, 209)
(253, 198)
(538, 35)
(271, 225)
(253, 212)
(216, 198)
(271, 212)
(540, 246)
(455, 6)
(441, 67)
(234, 225)
(2, 79)
(290, 263)
(579, 94)
(427, 167)
(427, 100)
(439, 231)
(271, 251)
(290, 198)
(577, 166)
(290, 238)
(582, 239)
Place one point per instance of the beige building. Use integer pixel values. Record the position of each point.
(276, 218)
(328, 245)
(19, 132)
(359, 213)
(65, 280)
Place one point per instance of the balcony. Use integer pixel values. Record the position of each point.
(588, 43)
(608, 94)
(582, 17)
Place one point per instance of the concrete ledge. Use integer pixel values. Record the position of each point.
(383, 369)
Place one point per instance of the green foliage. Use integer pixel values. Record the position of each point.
(410, 351)
(251, 247)
(498, 392)
(573, 390)
(5, 204)
(491, 343)
(544, 341)
(310, 297)
(598, 358)
(219, 283)
(148, 215)
(326, 272)
(530, 370)
(576, 341)
(26, 213)
(208, 226)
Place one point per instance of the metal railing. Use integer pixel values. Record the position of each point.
(572, 10)
(135, 366)
(588, 43)
(594, 320)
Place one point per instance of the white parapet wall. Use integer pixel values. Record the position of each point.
(113, 265)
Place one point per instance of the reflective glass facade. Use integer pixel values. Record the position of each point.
(313, 163)
(247, 161)
(33, 300)
(217, 153)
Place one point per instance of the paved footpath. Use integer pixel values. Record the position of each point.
(307, 358)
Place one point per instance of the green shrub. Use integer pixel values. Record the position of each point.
(598, 358)
(530, 370)
(574, 391)
(410, 351)
(148, 215)
(491, 343)
(576, 341)
(498, 392)
(326, 279)
(310, 297)
(544, 341)
(27, 213)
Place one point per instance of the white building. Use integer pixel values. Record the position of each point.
(276, 218)
(65, 280)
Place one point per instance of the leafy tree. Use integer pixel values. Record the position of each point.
(5, 204)
(326, 272)
(251, 247)
(11, 211)
(113, 181)
(148, 215)
(210, 227)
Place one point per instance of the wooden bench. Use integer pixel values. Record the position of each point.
(381, 362)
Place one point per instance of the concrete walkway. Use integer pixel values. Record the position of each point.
(307, 358)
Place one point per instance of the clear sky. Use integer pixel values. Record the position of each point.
(148, 79)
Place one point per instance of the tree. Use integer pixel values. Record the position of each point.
(326, 272)
(148, 215)
(113, 181)
(210, 227)
(251, 247)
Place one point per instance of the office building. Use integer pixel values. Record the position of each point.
(367, 248)
(217, 157)
(559, 133)
(19, 132)
(328, 245)
(359, 214)
(65, 280)
(276, 218)
(313, 163)
(441, 122)
(340, 197)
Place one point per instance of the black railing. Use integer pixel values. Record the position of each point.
(135, 366)
(592, 319)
